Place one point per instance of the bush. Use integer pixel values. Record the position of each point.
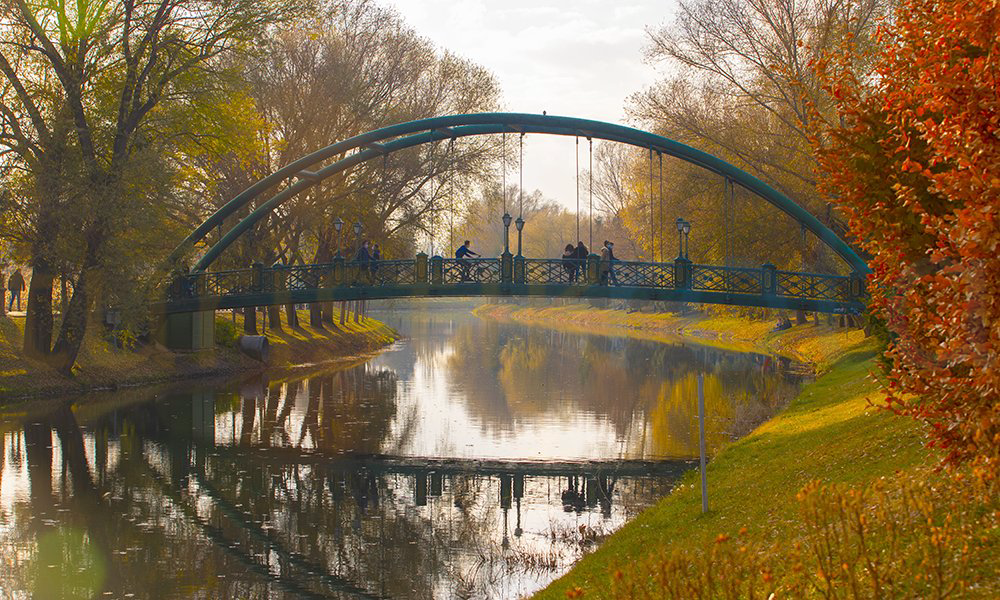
(920, 535)
(226, 333)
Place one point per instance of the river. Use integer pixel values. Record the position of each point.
(470, 460)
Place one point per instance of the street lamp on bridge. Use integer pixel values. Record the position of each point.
(357, 235)
(687, 230)
(506, 232)
(338, 224)
(683, 229)
(519, 223)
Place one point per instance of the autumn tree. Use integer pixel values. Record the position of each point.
(738, 85)
(915, 166)
(89, 106)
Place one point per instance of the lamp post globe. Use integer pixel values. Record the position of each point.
(506, 218)
(519, 223)
(338, 224)
(680, 237)
(687, 230)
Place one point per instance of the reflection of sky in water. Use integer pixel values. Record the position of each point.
(212, 492)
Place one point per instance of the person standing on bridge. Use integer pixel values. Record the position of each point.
(607, 269)
(569, 262)
(363, 258)
(582, 252)
(376, 256)
(461, 255)
(15, 284)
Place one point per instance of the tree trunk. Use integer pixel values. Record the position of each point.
(291, 316)
(274, 317)
(74, 326)
(343, 312)
(315, 316)
(38, 321)
(800, 317)
(250, 320)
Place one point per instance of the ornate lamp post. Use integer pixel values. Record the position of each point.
(338, 224)
(506, 232)
(687, 230)
(357, 235)
(680, 238)
(519, 223)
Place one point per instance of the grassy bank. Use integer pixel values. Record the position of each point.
(102, 366)
(817, 345)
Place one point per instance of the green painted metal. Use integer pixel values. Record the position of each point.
(406, 135)
(739, 286)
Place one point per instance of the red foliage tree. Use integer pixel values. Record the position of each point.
(915, 164)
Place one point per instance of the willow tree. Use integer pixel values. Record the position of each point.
(94, 94)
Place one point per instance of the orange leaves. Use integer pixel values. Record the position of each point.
(914, 164)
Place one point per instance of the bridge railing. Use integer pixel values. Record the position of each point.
(765, 280)
(469, 270)
(644, 274)
(738, 280)
(555, 270)
(813, 285)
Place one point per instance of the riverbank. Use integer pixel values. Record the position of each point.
(777, 495)
(815, 345)
(102, 366)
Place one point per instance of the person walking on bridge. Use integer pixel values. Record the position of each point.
(15, 284)
(461, 255)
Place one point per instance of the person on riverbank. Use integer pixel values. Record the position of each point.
(462, 255)
(569, 262)
(16, 285)
(607, 268)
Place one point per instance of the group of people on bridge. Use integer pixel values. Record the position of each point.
(575, 261)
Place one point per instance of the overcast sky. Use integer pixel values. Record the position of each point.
(580, 58)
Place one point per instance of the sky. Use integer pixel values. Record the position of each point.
(579, 58)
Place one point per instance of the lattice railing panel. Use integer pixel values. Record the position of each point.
(554, 271)
(641, 274)
(738, 280)
(470, 270)
(394, 272)
(814, 286)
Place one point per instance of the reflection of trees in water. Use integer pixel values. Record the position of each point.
(169, 512)
(512, 373)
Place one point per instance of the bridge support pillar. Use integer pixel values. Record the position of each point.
(857, 286)
(188, 331)
(437, 270)
(519, 272)
(593, 269)
(682, 273)
(420, 268)
(768, 279)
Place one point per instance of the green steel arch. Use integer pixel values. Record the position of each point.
(390, 139)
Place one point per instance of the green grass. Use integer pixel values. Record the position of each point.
(101, 365)
(829, 433)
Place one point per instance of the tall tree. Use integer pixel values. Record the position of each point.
(87, 91)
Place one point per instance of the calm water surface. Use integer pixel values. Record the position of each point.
(471, 460)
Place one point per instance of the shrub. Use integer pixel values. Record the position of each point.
(226, 333)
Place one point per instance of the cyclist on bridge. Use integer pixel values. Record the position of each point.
(461, 255)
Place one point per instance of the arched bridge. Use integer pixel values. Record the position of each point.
(202, 291)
